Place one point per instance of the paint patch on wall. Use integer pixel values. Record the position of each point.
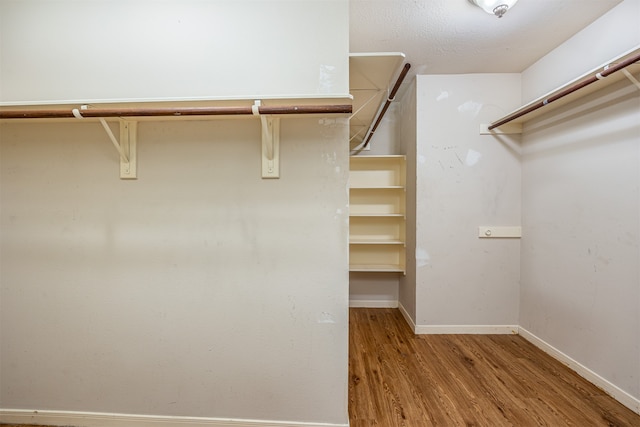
(327, 78)
(422, 159)
(470, 107)
(326, 317)
(473, 157)
(422, 257)
(443, 95)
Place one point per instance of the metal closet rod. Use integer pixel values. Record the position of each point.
(392, 95)
(173, 111)
(592, 79)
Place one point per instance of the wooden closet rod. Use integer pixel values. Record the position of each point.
(173, 111)
(392, 95)
(577, 86)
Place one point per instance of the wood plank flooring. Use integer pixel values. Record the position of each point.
(400, 379)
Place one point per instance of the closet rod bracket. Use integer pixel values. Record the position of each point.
(631, 78)
(127, 146)
(270, 143)
(506, 129)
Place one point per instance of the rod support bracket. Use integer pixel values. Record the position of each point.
(129, 144)
(126, 147)
(270, 144)
(270, 147)
(505, 129)
(631, 78)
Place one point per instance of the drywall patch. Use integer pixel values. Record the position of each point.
(422, 159)
(470, 107)
(327, 78)
(443, 95)
(422, 257)
(473, 157)
(326, 317)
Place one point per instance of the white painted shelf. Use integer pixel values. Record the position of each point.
(370, 77)
(377, 226)
(572, 91)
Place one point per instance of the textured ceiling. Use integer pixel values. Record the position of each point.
(454, 36)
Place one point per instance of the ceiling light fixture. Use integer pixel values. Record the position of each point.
(494, 7)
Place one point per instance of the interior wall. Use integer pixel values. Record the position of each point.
(613, 34)
(466, 180)
(65, 50)
(195, 290)
(581, 210)
(580, 257)
(199, 289)
(407, 135)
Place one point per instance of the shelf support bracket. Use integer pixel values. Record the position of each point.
(506, 129)
(127, 146)
(270, 144)
(631, 78)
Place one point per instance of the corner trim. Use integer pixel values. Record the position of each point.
(611, 389)
(98, 419)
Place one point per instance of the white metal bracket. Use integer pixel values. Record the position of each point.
(270, 147)
(270, 143)
(506, 129)
(631, 78)
(126, 147)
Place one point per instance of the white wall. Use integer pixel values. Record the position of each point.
(373, 289)
(613, 34)
(199, 289)
(465, 180)
(581, 210)
(65, 50)
(407, 134)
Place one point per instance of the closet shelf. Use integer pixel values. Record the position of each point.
(377, 268)
(129, 113)
(381, 187)
(370, 78)
(377, 223)
(375, 242)
(619, 68)
(377, 215)
(170, 109)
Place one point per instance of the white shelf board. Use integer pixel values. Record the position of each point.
(374, 215)
(385, 187)
(634, 69)
(377, 268)
(375, 242)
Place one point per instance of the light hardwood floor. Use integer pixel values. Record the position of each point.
(401, 379)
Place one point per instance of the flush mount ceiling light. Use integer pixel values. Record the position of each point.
(495, 7)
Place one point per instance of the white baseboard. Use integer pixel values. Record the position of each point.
(457, 329)
(611, 389)
(365, 303)
(95, 419)
(467, 329)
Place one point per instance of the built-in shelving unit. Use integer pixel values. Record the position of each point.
(377, 227)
